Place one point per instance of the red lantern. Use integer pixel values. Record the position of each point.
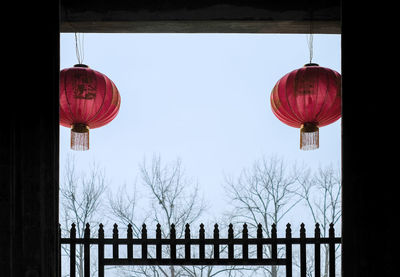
(88, 100)
(308, 98)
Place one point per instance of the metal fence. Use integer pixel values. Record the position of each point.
(246, 257)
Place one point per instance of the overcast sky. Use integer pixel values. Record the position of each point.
(203, 98)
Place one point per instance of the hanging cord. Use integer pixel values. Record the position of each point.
(80, 54)
(310, 36)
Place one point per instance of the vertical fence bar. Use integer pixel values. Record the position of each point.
(230, 242)
(259, 242)
(144, 242)
(101, 250)
(245, 245)
(303, 255)
(129, 245)
(173, 243)
(158, 242)
(274, 245)
(201, 243)
(59, 250)
(187, 242)
(331, 251)
(216, 244)
(86, 251)
(72, 259)
(317, 251)
(288, 251)
(115, 242)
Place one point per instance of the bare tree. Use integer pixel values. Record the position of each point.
(80, 198)
(173, 201)
(264, 193)
(321, 193)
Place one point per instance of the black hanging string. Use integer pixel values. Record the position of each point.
(80, 54)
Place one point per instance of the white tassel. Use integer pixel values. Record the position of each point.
(80, 137)
(309, 137)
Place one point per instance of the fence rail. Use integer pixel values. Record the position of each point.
(187, 243)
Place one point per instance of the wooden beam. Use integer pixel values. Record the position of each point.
(212, 16)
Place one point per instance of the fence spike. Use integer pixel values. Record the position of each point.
(144, 231)
(302, 231)
(115, 231)
(216, 231)
(72, 232)
(331, 230)
(187, 231)
(101, 231)
(87, 231)
(158, 231)
(201, 231)
(245, 232)
(273, 230)
(288, 231)
(173, 231)
(230, 231)
(129, 232)
(317, 230)
(259, 231)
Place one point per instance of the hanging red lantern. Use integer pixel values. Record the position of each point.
(88, 100)
(308, 98)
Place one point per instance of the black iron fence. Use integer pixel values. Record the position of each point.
(245, 258)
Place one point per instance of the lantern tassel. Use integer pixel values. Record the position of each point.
(80, 137)
(309, 136)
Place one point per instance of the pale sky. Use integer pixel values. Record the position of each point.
(201, 97)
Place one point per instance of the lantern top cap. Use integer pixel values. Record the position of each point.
(81, 65)
(311, 64)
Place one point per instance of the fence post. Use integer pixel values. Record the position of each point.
(115, 242)
(259, 243)
(158, 243)
(288, 251)
(303, 261)
(245, 246)
(231, 247)
(86, 250)
(274, 246)
(216, 244)
(173, 243)
(144, 242)
(187, 243)
(129, 245)
(72, 258)
(331, 251)
(101, 250)
(201, 243)
(317, 251)
(59, 250)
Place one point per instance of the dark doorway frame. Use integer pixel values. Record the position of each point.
(29, 139)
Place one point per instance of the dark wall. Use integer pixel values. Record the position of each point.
(369, 144)
(29, 141)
